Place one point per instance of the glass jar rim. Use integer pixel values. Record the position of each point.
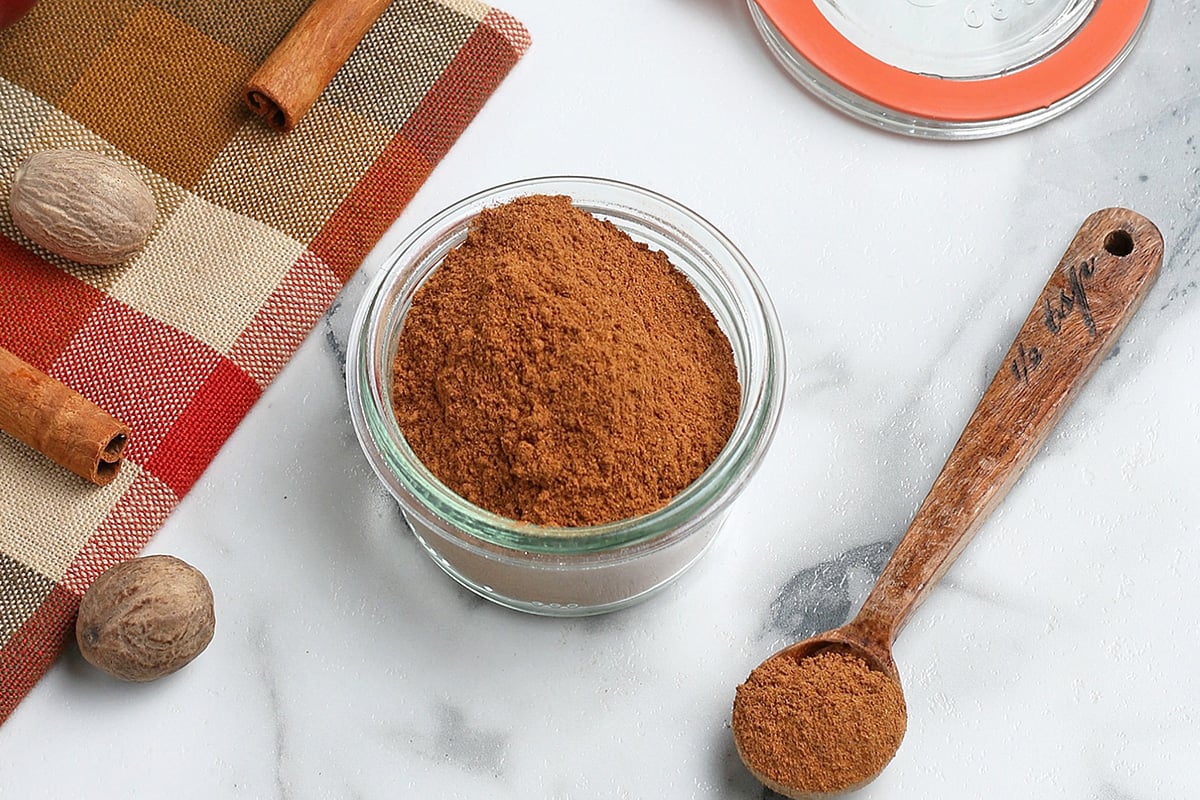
(822, 59)
(414, 485)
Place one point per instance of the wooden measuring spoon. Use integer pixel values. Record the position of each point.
(1095, 290)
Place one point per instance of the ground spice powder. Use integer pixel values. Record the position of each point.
(554, 371)
(821, 724)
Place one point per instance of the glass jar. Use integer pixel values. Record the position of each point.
(582, 570)
(950, 69)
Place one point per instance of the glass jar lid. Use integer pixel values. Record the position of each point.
(951, 69)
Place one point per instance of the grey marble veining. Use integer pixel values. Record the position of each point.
(824, 596)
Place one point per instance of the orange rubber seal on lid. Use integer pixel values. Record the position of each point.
(1075, 64)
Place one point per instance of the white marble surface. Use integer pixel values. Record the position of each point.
(1057, 659)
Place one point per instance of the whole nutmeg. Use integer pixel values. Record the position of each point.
(82, 206)
(145, 618)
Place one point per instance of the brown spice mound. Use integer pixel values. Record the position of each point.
(823, 724)
(554, 371)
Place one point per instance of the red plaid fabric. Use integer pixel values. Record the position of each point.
(256, 234)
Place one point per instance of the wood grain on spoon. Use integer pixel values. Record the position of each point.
(1096, 288)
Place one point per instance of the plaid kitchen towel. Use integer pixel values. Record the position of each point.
(255, 235)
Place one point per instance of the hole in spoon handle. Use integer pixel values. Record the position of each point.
(1094, 291)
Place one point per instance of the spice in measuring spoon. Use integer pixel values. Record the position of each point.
(803, 721)
(554, 371)
(827, 722)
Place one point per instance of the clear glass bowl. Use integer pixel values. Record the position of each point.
(584, 570)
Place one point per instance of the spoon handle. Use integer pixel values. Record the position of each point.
(1092, 294)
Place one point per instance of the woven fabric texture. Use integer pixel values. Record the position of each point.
(255, 235)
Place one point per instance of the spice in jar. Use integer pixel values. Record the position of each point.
(821, 724)
(554, 371)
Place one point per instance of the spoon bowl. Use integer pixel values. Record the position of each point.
(849, 638)
(794, 690)
(1098, 285)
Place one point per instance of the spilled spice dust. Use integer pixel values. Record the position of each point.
(554, 371)
(822, 724)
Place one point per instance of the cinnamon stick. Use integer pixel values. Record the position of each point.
(287, 84)
(59, 422)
